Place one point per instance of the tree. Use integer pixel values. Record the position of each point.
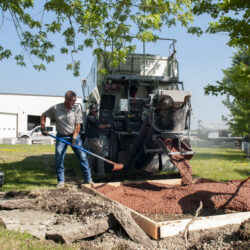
(103, 24)
(230, 16)
(235, 85)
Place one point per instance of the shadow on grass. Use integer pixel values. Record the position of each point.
(37, 171)
(243, 172)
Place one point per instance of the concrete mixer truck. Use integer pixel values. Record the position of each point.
(148, 108)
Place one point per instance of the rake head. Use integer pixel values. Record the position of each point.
(117, 166)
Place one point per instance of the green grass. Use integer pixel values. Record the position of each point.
(221, 164)
(16, 240)
(29, 167)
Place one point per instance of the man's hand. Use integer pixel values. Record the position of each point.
(102, 126)
(44, 132)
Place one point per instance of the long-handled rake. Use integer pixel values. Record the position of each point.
(116, 167)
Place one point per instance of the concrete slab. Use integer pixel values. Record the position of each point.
(35, 222)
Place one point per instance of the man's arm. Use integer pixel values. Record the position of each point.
(76, 132)
(102, 126)
(42, 122)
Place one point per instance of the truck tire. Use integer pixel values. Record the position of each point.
(25, 137)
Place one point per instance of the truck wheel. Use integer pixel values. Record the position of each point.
(25, 137)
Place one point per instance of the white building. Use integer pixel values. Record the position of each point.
(213, 130)
(21, 112)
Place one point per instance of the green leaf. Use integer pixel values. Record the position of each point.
(102, 24)
(88, 42)
(64, 50)
(102, 71)
(235, 85)
(39, 67)
(146, 36)
(5, 54)
(80, 47)
(54, 27)
(69, 66)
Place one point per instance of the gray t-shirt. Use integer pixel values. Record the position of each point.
(65, 119)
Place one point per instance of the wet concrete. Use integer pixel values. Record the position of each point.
(159, 198)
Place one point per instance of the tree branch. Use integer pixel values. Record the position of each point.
(17, 25)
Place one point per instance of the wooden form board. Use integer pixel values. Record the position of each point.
(148, 226)
(171, 228)
(163, 229)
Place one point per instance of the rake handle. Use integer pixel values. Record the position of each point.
(82, 149)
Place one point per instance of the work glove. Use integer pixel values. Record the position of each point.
(44, 132)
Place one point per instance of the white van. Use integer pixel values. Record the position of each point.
(36, 134)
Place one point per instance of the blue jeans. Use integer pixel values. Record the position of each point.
(61, 148)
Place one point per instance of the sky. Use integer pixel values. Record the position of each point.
(201, 60)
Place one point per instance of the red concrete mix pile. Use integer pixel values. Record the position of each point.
(180, 161)
(149, 197)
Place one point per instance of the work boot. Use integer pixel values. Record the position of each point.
(60, 185)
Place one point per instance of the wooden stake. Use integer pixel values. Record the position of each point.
(186, 233)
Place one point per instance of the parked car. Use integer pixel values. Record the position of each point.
(36, 135)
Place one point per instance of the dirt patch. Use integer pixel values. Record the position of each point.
(153, 198)
(84, 207)
(61, 209)
(65, 202)
(67, 215)
(19, 195)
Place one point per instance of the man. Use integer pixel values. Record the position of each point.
(68, 117)
(92, 135)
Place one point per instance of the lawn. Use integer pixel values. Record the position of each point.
(29, 167)
(10, 239)
(221, 164)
